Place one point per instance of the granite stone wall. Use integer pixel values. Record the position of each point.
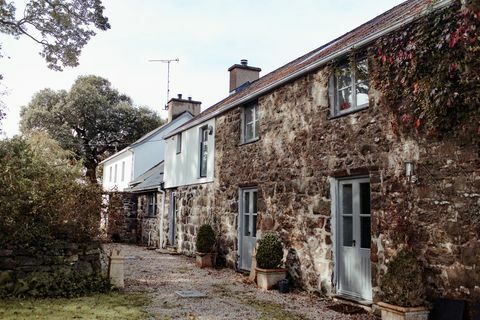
(300, 153)
(148, 226)
(122, 217)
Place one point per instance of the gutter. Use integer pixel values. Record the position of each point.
(160, 242)
(438, 5)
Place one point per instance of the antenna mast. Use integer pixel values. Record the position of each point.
(167, 61)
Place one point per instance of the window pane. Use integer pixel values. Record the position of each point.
(344, 77)
(203, 165)
(362, 94)
(361, 72)
(123, 170)
(179, 143)
(246, 204)
(246, 225)
(254, 201)
(249, 114)
(249, 132)
(255, 134)
(345, 99)
(347, 231)
(254, 226)
(365, 198)
(347, 199)
(365, 232)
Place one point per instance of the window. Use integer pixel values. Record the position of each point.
(203, 151)
(179, 142)
(349, 87)
(152, 204)
(250, 130)
(110, 176)
(115, 174)
(123, 170)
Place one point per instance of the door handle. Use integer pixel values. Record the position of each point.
(354, 243)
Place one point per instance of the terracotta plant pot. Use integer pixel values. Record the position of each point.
(206, 260)
(268, 278)
(393, 312)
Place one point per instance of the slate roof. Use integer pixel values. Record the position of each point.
(150, 180)
(386, 22)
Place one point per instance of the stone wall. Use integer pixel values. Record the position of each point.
(302, 150)
(148, 226)
(82, 258)
(122, 217)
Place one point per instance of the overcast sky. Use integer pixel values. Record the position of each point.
(207, 36)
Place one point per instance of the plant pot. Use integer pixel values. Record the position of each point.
(268, 278)
(206, 260)
(393, 312)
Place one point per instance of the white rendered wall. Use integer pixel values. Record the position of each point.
(152, 151)
(184, 168)
(109, 183)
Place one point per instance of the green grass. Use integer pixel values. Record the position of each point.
(99, 306)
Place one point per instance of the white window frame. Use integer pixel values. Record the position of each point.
(202, 146)
(334, 90)
(179, 142)
(254, 123)
(123, 171)
(152, 203)
(115, 174)
(110, 176)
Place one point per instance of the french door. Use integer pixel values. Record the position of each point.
(353, 238)
(247, 228)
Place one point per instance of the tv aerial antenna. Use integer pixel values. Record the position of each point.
(167, 61)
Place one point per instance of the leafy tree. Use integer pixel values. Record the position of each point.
(92, 119)
(61, 27)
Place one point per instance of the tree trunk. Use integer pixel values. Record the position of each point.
(91, 171)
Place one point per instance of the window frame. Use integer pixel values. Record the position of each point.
(335, 110)
(179, 142)
(115, 173)
(123, 171)
(203, 148)
(151, 205)
(110, 174)
(255, 122)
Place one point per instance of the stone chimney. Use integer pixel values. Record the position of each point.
(241, 74)
(177, 106)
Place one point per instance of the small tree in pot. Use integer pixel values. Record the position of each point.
(403, 289)
(269, 258)
(205, 247)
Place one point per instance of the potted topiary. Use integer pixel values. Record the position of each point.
(206, 256)
(403, 289)
(269, 258)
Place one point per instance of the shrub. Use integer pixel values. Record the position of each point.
(205, 239)
(43, 196)
(269, 252)
(403, 284)
(62, 283)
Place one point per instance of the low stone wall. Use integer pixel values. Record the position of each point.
(82, 258)
(148, 226)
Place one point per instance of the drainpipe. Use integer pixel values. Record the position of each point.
(161, 218)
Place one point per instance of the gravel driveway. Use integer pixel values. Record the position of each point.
(230, 295)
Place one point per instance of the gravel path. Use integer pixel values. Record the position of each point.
(230, 295)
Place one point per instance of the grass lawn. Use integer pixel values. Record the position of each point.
(99, 306)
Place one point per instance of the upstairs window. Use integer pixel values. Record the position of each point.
(123, 170)
(152, 204)
(349, 87)
(250, 130)
(115, 174)
(203, 151)
(179, 143)
(110, 175)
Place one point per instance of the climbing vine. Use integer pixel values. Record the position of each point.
(428, 72)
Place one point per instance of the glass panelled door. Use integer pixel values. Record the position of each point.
(354, 237)
(247, 227)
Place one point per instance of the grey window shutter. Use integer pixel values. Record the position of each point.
(331, 94)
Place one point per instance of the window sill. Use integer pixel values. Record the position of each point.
(347, 113)
(249, 142)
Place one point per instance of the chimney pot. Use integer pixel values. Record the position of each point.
(179, 96)
(189, 98)
(244, 62)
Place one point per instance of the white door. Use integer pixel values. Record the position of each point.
(247, 227)
(353, 238)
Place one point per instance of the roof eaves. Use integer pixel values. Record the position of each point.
(305, 69)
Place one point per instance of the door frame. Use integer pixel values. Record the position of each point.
(335, 211)
(172, 220)
(240, 224)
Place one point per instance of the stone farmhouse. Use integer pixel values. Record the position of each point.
(134, 176)
(309, 152)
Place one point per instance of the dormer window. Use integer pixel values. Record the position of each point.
(250, 127)
(349, 87)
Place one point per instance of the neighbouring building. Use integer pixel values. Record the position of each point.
(135, 174)
(313, 152)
